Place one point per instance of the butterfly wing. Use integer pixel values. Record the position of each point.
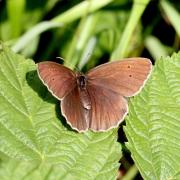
(108, 108)
(61, 82)
(72, 108)
(106, 86)
(108, 83)
(125, 77)
(59, 79)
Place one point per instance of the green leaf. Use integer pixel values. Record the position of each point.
(33, 33)
(15, 10)
(137, 11)
(71, 15)
(155, 47)
(21, 170)
(37, 140)
(79, 10)
(153, 125)
(172, 14)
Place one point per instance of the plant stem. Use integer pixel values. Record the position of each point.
(137, 11)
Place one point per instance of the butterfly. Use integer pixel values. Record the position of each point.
(95, 100)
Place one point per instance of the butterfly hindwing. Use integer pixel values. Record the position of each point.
(73, 110)
(108, 108)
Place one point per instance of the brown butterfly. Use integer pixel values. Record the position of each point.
(95, 100)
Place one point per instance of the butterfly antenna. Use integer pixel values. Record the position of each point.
(75, 67)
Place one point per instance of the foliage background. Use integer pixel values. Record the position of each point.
(85, 34)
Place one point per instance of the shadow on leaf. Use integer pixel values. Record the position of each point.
(35, 83)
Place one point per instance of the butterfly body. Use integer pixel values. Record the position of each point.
(81, 81)
(95, 100)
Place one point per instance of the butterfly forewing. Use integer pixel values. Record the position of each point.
(59, 79)
(125, 77)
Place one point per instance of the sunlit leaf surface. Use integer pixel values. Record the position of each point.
(153, 125)
(36, 139)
